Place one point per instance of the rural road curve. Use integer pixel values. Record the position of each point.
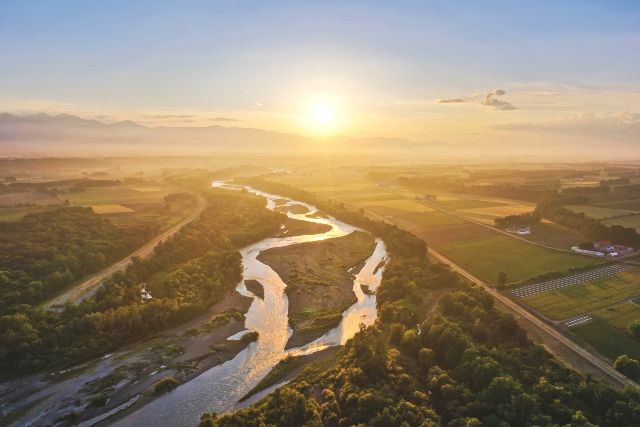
(598, 363)
(76, 293)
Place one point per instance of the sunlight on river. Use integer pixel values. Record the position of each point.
(219, 388)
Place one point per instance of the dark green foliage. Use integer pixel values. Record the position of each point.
(185, 276)
(524, 219)
(628, 366)
(165, 385)
(463, 364)
(46, 251)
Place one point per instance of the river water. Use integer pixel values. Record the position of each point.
(219, 388)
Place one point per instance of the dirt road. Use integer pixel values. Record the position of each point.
(85, 288)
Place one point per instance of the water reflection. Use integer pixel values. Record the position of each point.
(219, 388)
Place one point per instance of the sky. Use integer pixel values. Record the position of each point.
(490, 72)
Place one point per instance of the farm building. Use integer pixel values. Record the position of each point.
(520, 230)
(577, 250)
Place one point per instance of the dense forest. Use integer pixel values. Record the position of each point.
(460, 363)
(46, 251)
(185, 275)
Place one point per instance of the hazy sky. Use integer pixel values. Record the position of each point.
(458, 71)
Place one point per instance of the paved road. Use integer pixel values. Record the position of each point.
(85, 288)
(598, 363)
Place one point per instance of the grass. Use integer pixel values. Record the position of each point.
(620, 315)
(456, 204)
(486, 256)
(398, 204)
(631, 205)
(598, 212)
(500, 211)
(587, 297)
(554, 235)
(608, 340)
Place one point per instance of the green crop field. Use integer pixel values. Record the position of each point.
(632, 221)
(598, 212)
(485, 256)
(608, 340)
(483, 252)
(620, 315)
(587, 297)
(631, 205)
(455, 204)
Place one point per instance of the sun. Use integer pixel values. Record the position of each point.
(323, 115)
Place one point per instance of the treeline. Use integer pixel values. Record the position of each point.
(185, 276)
(524, 219)
(53, 187)
(529, 192)
(463, 363)
(590, 227)
(46, 251)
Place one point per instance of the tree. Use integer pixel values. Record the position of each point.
(627, 366)
(501, 279)
(634, 328)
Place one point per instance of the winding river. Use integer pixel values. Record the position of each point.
(219, 388)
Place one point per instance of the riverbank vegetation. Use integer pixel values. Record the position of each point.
(185, 276)
(460, 363)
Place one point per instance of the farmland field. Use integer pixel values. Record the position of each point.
(631, 205)
(15, 214)
(587, 297)
(481, 251)
(110, 209)
(116, 195)
(554, 235)
(28, 197)
(598, 212)
(620, 315)
(608, 340)
(631, 221)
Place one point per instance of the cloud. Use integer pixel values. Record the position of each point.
(452, 100)
(491, 99)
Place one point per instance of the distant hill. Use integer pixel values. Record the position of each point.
(66, 134)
